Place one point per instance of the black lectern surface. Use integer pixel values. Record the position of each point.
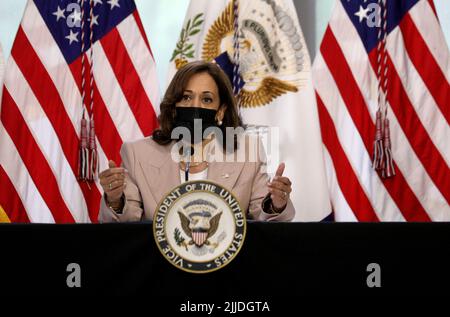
(276, 259)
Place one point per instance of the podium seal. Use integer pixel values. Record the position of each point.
(199, 227)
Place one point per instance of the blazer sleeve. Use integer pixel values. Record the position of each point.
(260, 194)
(133, 207)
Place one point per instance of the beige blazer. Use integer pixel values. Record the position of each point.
(152, 173)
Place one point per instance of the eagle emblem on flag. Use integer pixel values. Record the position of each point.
(271, 53)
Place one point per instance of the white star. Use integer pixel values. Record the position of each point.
(72, 37)
(362, 13)
(95, 20)
(97, 2)
(114, 3)
(76, 16)
(59, 13)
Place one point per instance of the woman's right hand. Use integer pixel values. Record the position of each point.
(113, 182)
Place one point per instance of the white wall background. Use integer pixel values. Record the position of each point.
(162, 20)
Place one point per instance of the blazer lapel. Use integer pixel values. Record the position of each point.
(226, 171)
(161, 173)
(224, 174)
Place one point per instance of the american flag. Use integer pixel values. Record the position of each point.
(2, 65)
(42, 106)
(3, 216)
(417, 85)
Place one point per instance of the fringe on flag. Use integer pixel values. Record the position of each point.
(83, 159)
(88, 156)
(388, 163)
(93, 155)
(382, 159)
(378, 144)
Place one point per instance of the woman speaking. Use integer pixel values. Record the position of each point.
(200, 95)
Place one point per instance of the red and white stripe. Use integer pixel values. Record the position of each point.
(41, 114)
(2, 68)
(419, 92)
(199, 237)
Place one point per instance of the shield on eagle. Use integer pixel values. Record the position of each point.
(197, 221)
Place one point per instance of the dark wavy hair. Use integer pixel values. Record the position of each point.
(174, 94)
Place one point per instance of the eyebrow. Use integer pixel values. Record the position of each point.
(203, 92)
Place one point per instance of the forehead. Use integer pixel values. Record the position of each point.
(201, 82)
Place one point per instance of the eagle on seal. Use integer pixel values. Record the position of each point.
(199, 225)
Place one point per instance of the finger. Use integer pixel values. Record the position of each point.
(110, 171)
(280, 186)
(280, 170)
(116, 170)
(113, 185)
(113, 177)
(278, 194)
(282, 179)
(112, 164)
(104, 173)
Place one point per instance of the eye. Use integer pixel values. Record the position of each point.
(186, 98)
(207, 100)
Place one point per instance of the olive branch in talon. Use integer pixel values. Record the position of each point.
(184, 49)
(181, 242)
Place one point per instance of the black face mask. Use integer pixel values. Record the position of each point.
(186, 117)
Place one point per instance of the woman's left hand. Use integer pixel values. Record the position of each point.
(279, 188)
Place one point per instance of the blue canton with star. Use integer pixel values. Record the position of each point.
(63, 19)
(362, 12)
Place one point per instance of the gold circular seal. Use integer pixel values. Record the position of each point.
(199, 226)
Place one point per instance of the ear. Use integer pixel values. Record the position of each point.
(221, 112)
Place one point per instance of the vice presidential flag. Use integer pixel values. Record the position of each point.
(70, 62)
(390, 56)
(261, 46)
